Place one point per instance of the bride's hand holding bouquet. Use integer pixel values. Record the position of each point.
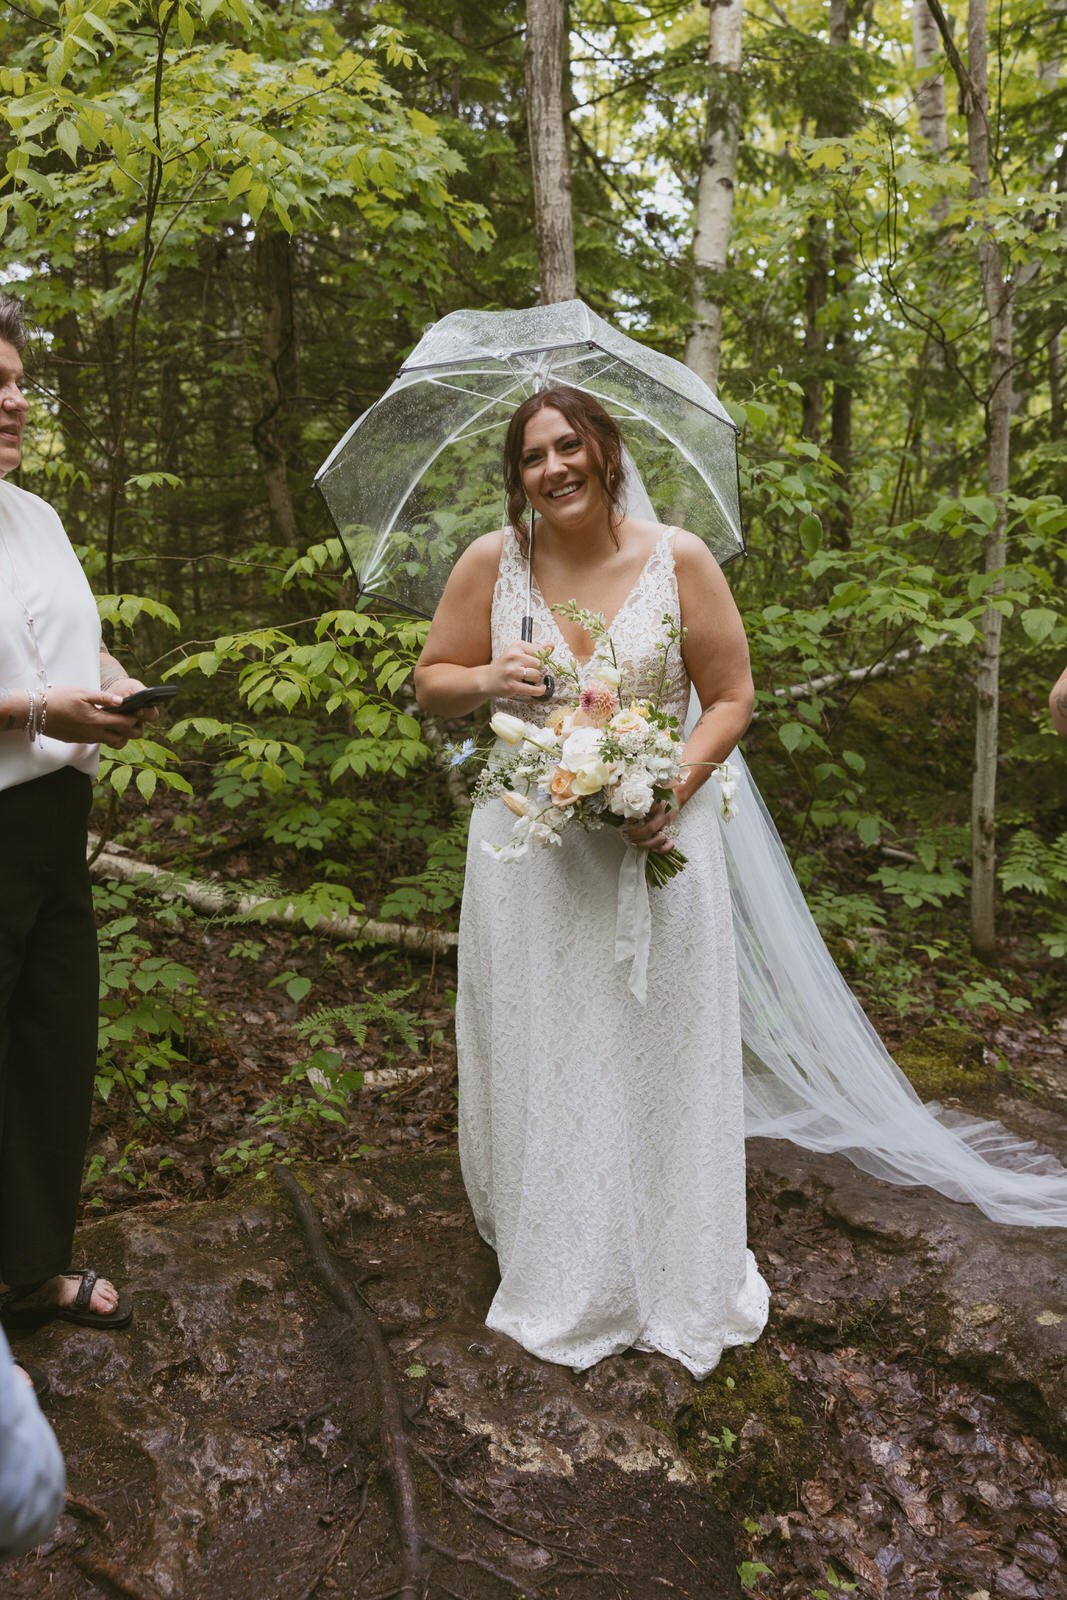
(605, 757)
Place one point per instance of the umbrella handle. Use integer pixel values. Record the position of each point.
(527, 638)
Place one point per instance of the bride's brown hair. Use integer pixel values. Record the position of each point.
(594, 427)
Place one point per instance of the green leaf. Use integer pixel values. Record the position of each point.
(67, 138)
(146, 782)
(810, 534)
(240, 182)
(793, 735)
(1038, 624)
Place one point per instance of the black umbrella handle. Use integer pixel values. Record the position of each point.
(527, 638)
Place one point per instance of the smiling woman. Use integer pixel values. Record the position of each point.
(601, 1134)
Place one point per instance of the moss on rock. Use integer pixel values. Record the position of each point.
(946, 1060)
(746, 1431)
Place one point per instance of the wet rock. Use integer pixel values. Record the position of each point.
(232, 1433)
(541, 1418)
(989, 1300)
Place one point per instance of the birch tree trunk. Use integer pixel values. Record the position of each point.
(998, 294)
(546, 66)
(715, 189)
(933, 117)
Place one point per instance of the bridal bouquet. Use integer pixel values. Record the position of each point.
(605, 758)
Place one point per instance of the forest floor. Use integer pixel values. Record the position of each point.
(900, 1429)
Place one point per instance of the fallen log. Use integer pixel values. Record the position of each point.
(221, 898)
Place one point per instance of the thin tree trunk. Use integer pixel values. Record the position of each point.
(546, 67)
(279, 368)
(715, 188)
(1055, 387)
(998, 294)
(933, 116)
(816, 288)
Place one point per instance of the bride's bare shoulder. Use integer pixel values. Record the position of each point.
(483, 554)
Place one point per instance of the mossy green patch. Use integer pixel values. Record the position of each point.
(943, 1059)
(746, 1432)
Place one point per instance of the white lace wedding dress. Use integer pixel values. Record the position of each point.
(602, 1140)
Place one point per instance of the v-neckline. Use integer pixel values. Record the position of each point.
(582, 661)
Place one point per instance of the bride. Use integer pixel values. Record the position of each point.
(601, 1129)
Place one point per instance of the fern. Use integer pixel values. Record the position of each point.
(324, 1026)
(1036, 867)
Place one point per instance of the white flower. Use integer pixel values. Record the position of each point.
(581, 748)
(628, 721)
(591, 777)
(606, 672)
(727, 777)
(633, 797)
(511, 729)
(543, 738)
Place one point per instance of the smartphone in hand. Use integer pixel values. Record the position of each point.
(145, 697)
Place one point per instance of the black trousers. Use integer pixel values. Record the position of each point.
(49, 983)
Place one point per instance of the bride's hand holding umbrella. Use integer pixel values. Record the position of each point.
(457, 671)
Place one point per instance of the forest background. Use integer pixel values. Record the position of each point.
(233, 222)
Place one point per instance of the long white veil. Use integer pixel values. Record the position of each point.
(816, 1072)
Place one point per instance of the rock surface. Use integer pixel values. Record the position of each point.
(898, 1422)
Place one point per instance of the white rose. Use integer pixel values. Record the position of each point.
(511, 729)
(628, 721)
(543, 738)
(593, 776)
(633, 797)
(606, 673)
(581, 748)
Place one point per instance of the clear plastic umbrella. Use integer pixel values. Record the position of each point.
(419, 476)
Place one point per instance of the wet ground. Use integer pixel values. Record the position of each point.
(899, 1428)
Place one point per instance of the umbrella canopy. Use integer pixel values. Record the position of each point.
(419, 475)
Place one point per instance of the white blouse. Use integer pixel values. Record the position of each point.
(41, 578)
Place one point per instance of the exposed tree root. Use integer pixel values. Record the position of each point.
(80, 1507)
(396, 1447)
(109, 1574)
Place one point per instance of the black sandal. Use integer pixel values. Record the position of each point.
(79, 1311)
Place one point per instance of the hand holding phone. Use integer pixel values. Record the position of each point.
(145, 697)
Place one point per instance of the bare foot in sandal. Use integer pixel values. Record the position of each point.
(79, 1297)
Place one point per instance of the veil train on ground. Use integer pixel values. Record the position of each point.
(816, 1071)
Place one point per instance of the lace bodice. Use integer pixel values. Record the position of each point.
(636, 631)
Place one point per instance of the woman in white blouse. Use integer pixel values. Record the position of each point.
(58, 692)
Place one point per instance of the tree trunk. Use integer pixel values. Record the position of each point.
(933, 118)
(998, 295)
(715, 189)
(278, 343)
(546, 66)
(1055, 386)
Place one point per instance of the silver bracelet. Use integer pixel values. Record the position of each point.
(44, 714)
(32, 718)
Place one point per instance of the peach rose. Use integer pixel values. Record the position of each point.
(559, 787)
